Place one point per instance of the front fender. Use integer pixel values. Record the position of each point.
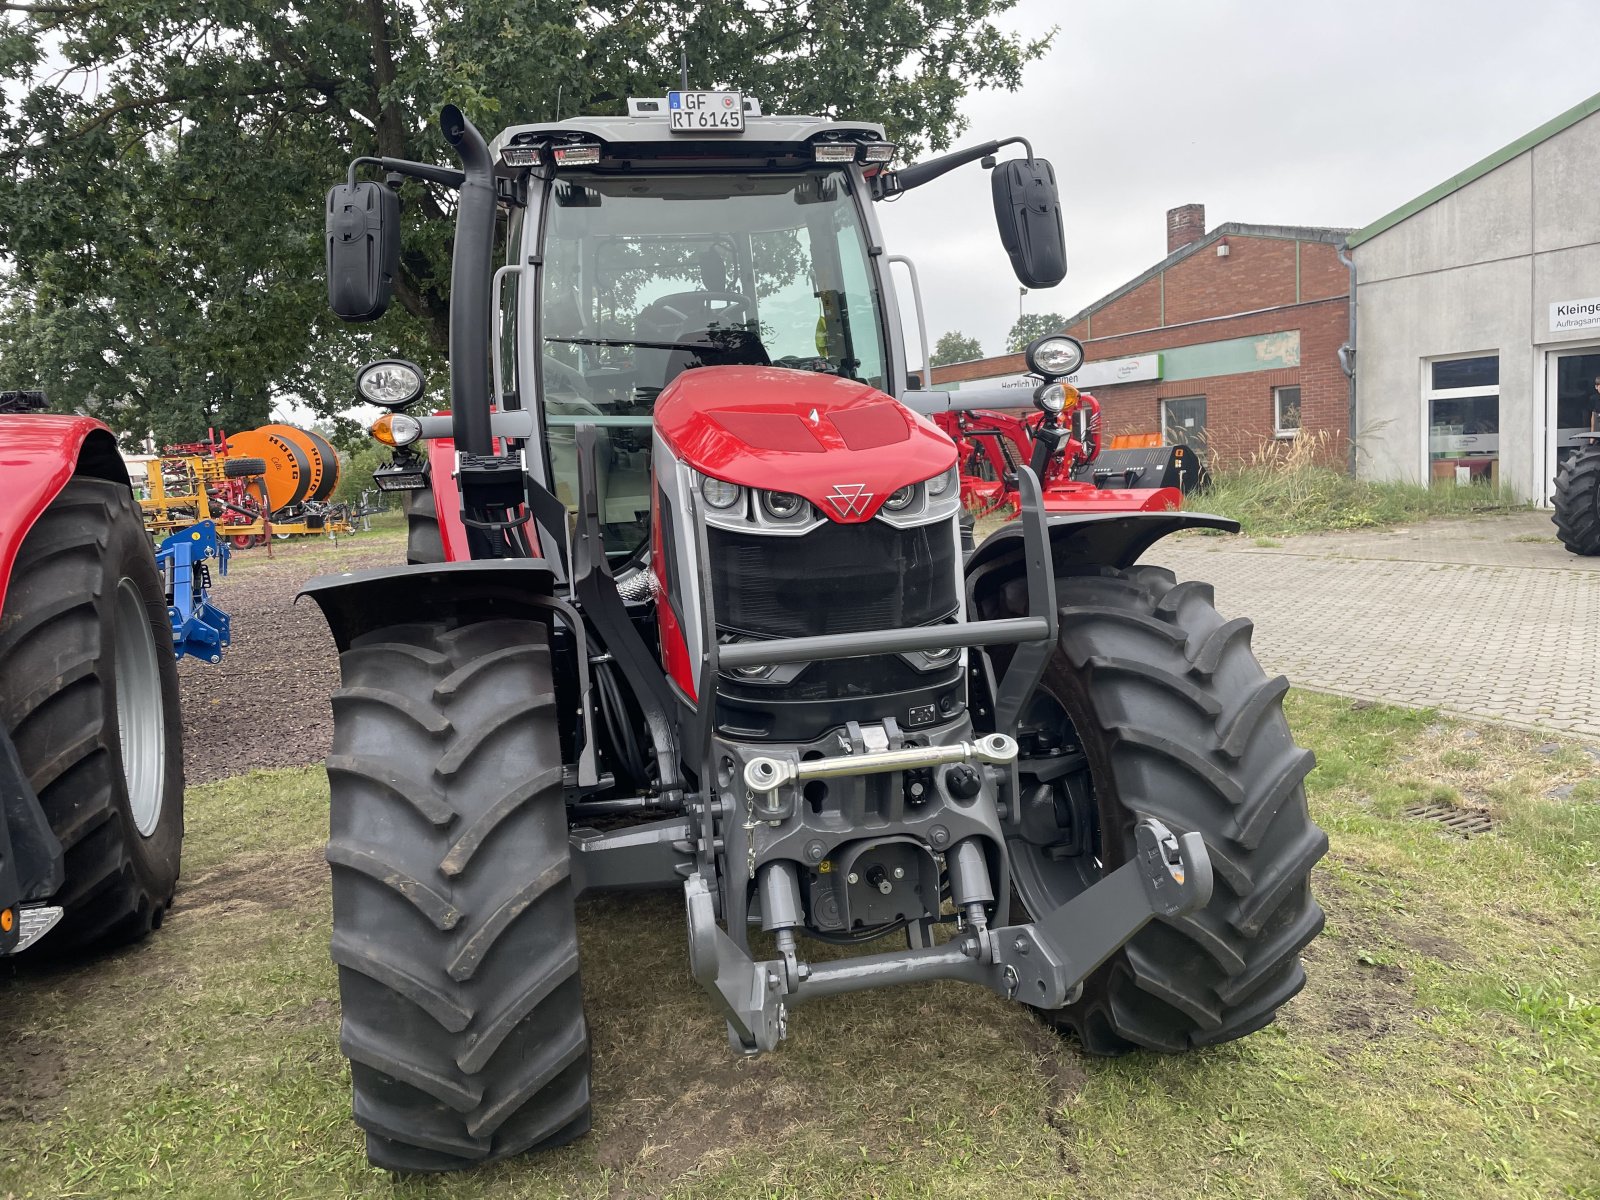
(1093, 539)
(356, 602)
(39, 452)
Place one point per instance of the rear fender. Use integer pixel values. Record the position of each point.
(39, 452)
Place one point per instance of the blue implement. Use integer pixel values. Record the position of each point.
(199, 628)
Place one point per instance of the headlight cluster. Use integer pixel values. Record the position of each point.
(733, 505)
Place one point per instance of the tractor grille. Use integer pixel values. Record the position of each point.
(835, 579)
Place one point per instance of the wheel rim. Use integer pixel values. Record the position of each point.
(1046, 870)
(141, 717)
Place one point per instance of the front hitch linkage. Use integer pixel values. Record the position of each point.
(1042, 963)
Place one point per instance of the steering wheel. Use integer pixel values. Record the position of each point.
(682, 311)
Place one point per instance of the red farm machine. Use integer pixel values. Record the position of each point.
(91, 754)
(1060, 441)
(688, 608)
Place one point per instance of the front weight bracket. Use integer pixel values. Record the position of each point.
(1044, 963)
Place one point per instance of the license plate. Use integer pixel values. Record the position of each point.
(705, 112)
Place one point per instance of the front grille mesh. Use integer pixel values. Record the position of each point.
(835, 579)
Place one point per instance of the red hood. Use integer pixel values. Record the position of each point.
(842, 445)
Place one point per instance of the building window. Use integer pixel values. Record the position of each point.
(1461, 400)
(1285, 411)
(1183, 421)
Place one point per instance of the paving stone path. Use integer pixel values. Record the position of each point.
(1488, 618)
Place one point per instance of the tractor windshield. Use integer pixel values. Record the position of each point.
(645, 277)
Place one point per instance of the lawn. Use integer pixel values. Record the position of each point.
(1448, 1044)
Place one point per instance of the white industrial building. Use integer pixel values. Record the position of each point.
(1478, 316)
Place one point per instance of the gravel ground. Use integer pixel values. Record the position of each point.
(266, 703)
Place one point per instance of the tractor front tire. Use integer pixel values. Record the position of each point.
(1154, 706)
(1577, 501)
(454, 925)
(89, 694)
(424, 544)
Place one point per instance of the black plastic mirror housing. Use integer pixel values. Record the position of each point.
(1027, 210)
(363, 234)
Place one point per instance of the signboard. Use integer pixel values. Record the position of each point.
(1090, 375)
(1567, 315)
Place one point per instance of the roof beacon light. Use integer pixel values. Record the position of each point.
(577, 156)
(834, 152)
(520, 156)
(877, 152)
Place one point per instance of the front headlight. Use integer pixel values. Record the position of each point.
(901, 498)
(719, 493)
(940, 485)
(782, 506)
(391, 382)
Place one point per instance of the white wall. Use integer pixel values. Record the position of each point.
(1476, 273)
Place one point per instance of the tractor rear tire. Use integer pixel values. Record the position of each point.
(89, 694)
(454, 923)
(424, 544)
(1174, 719)
(1577, 501)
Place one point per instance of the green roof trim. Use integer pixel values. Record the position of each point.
(1477, 170)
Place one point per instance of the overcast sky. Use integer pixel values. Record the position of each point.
(1265, 111)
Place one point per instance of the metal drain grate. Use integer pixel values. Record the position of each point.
(1462, 821)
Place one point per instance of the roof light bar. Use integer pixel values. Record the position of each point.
(877, 152)
(834, 152)
(520, 156)
(577, 156)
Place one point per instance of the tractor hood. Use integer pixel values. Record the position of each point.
(841, 444)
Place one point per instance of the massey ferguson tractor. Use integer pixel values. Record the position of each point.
(689, 609)
(91, 753)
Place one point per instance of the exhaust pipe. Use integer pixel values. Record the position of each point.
(471, 268)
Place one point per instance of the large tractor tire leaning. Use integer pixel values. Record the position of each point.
(1153, 705)
(424, 544)
(1577, 501)
(454, 922)
(89, 693)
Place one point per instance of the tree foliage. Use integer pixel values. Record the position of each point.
(954, 346)
(163, 162)
(1033, 325)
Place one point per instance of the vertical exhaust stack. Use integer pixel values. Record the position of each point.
(471, 268)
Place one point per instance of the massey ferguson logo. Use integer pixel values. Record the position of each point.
(850, 499)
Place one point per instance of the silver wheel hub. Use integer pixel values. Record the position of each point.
(141, 717)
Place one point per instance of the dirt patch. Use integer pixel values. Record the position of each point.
(726, 1106)
(255, 883)
(32, 1075)
(266, 703)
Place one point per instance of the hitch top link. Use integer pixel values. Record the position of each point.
(764, 774)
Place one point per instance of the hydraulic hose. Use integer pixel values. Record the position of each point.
(470, 272)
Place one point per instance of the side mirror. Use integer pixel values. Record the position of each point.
(363, 231)
(1027, 209)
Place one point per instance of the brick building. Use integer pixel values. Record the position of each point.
(1233, 338)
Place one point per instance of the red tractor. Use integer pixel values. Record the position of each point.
(688, 608)
(91, 753)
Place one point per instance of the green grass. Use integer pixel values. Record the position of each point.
(1448, 1045)
(1271, 500)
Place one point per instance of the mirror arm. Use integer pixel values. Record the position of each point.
(892, 183)
(448, 176)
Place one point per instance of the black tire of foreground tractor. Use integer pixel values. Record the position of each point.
(1577, 502)
(423, 541)
(454, 924)
(1177, 721)
(89, 693)
(241, 468)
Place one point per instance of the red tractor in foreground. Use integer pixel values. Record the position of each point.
(91, 752)
(688, 608)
